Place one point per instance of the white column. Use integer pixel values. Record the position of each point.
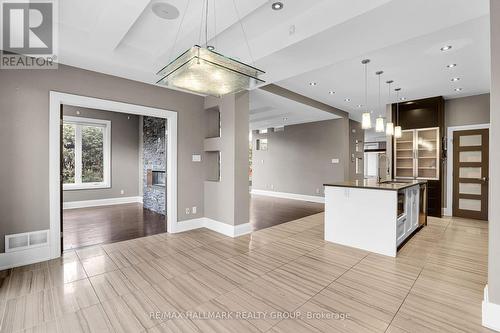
(491, 303)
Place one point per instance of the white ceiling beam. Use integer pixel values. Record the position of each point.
(115, 22)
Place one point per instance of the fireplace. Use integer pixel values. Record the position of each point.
(156, 177)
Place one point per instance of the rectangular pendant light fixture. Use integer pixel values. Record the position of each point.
(398, 133)
(389, 130)
(207, 72)
(379, 125)
(366, 121)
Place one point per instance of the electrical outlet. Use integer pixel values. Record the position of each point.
(272, 187)
(187, 211)
(317, 191)
(122, 192)
(193, 209)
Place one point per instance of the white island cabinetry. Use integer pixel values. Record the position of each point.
(376, 217)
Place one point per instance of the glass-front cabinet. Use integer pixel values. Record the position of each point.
(416, 154)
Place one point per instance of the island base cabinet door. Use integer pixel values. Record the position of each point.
(401, 230)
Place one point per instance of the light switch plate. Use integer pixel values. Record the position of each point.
(196, 158)
(335, 161)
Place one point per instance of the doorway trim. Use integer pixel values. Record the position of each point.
(448, 211)
(56, 100)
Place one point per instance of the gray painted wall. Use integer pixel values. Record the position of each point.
(467, 110)
(24, 138)
(124, 155)
(228, 200)
(298, 160)
(494, 218)
(471, 110)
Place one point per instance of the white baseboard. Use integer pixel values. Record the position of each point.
(226, 229)
(34, 255)
(24, 257)
(186, 225)
(293, 196)
(491, 313)
(101, 202)
(220, 227)
(447, 212)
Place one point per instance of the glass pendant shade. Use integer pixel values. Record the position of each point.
(389, 129)
(398, 133)
(366, 121)
(379, 125)
(207, 72)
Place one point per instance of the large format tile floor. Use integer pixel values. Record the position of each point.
(281, 279)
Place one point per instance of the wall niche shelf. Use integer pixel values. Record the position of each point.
(213, 122)
(213, 163)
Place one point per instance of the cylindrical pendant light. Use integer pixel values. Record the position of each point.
(398, 131)
(366, 120)
(389, 129)
(379, 124)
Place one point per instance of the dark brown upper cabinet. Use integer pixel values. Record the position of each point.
(425, 113)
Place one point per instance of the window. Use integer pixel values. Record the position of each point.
(261, 144)
(86, 153)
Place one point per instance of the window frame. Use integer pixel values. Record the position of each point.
(106, 125)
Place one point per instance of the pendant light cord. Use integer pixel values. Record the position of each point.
(379, 105)
(172, 49)
(244, 33)
(215, 26)
(201, 23)
(206, 24)
(366, 86)
(397, 108)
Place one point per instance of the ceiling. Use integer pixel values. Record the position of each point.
(321, 41)
(268, 110)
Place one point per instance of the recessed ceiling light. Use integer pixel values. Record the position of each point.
(285, 119)
(451, 65)
(455, 79)
(446, 48)
(165, 10)
(347, 99)
(403, 98)
(277, 5)
(313, 83)
(331, 92)
(359, 105)
(458, 89)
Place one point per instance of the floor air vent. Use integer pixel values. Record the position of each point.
(26, 240)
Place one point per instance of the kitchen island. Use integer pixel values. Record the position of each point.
(374, 216)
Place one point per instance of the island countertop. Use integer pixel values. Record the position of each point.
(390, 185)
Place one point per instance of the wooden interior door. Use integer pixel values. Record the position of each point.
(470, 173)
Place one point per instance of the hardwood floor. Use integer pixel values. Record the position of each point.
(268, 211)
(107, 224)
(280, 279)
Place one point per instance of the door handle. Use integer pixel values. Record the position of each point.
(485, 179)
